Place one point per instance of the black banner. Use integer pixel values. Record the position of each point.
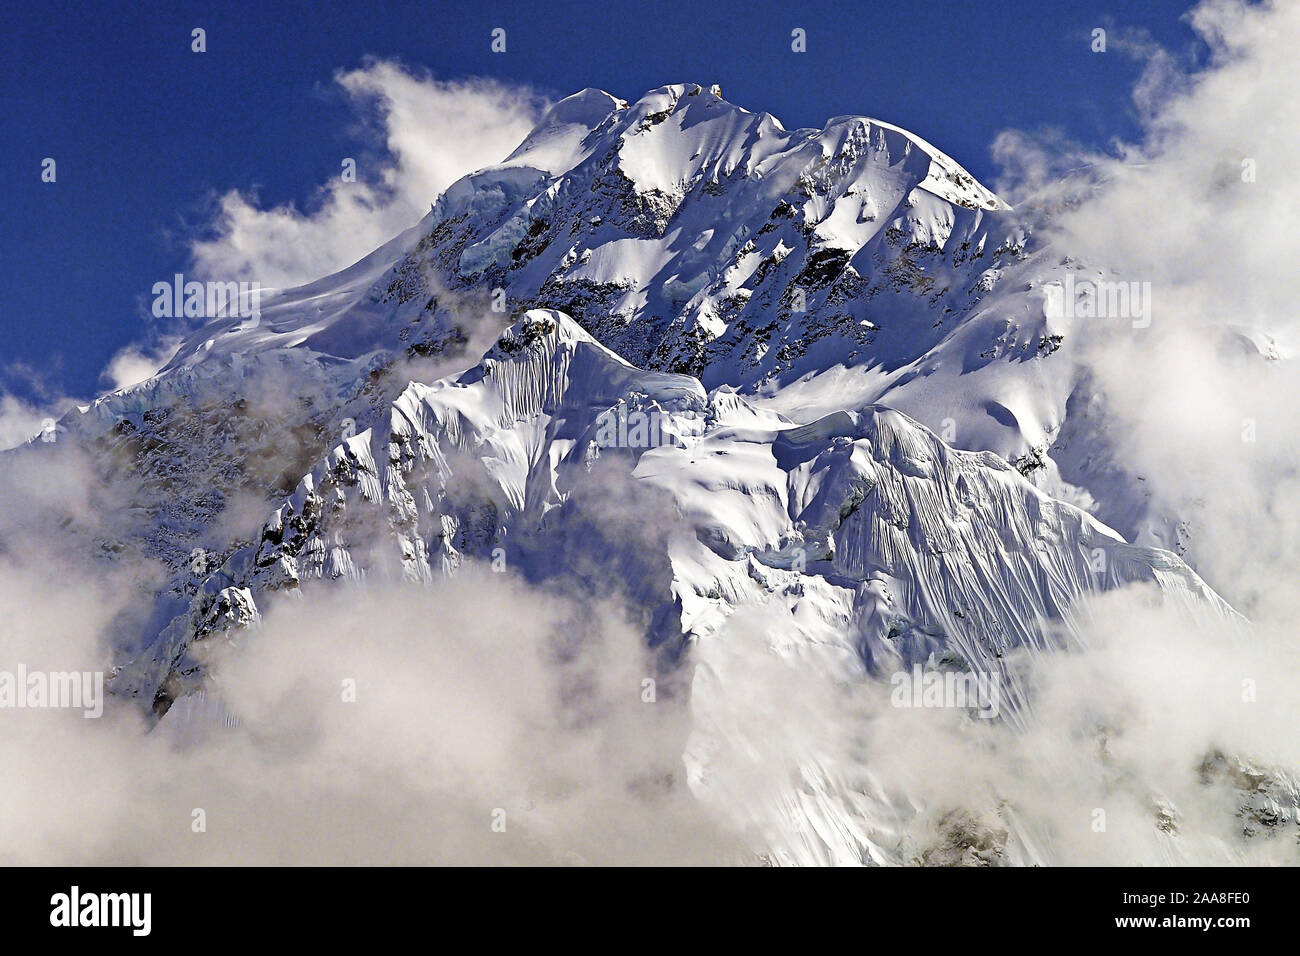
(178, 906)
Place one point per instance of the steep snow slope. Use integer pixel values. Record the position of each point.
(949, 550)
(868, 543)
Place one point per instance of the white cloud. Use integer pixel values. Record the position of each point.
(136, 363)
(1204, 208)
(478, 696)
(20, 420)
(434, 132)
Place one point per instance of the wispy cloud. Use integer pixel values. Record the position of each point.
(136, 363)
(1201, 403)
(432, 131)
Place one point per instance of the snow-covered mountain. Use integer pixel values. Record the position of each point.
(674, 351)
(889, 542)
(815, 269)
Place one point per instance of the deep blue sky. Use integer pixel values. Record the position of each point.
(146, 133)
